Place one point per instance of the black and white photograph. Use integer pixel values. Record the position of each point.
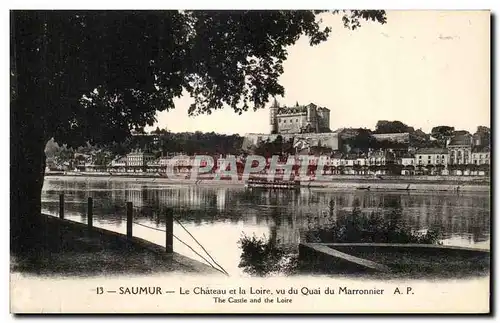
(250, 161)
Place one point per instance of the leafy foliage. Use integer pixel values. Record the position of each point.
(200, 143)
(384, 126)
(362, 141)
(64, 155)
(278, 146)
(442, 133)
(260, 257)
(103, 73)
(374, 227)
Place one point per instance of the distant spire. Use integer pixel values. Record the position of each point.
(275, 103)
(296, 103)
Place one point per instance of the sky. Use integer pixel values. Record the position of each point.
(424, 68)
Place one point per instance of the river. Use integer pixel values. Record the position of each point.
(218, 216)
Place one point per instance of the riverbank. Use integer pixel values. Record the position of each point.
(71, 249)
(332, 182)
(396, 260)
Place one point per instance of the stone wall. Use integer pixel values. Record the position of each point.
(327, 139)
(393, 137)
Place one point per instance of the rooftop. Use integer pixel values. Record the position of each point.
(481, 149)
(432, 151)
(461, 138)
(298, 108)
(381, 153)
(139, 152)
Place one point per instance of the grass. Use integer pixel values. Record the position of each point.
(72, 250)
(425, 262)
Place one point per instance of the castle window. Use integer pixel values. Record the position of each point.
(284, 121)
(296, 120)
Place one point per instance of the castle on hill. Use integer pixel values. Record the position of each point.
(298, 119)
(307, 125)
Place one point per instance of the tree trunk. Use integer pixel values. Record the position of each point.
(27, 173)
(28, 137)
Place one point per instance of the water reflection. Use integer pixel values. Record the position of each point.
(218, 216)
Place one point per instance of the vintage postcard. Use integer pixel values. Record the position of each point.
(229, 161)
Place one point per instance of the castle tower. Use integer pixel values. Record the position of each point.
(323, 115)
(312, 117)
(273, 111)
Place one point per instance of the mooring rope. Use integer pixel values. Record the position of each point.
(149, 227)
(198, 254)
(187, 245)
(176, 219)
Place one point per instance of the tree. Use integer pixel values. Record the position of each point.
(288, 147)
(439, 169)
(384, 126)
(472, 167)
(394, 169)
(52, 148)
(373, 168)
(202, 143)
(483, 129)
(102, 159)
(357, 168)
(96, 75)
(462, 168)
(442, 133)
(270, 148)
(452, 169)
(64, 155)
(484, 168)
(362, 141)
(420, 139)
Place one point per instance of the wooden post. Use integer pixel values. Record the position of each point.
(89, 213)
(129, 219)
(61, 206)
(169, 231)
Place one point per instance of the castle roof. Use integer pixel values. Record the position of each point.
(298, 108)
